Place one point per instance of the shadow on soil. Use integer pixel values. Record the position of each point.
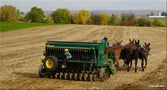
(154, 80)
(26, 74)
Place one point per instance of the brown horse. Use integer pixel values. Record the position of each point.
(130, 44)
(133, 51)
(115, 49)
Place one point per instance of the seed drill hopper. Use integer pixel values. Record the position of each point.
(89, 61)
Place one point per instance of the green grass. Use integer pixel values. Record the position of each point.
(161, 20)
(9, 26)
(117, 21)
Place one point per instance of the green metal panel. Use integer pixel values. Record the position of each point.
(102, 56)
(72, 44)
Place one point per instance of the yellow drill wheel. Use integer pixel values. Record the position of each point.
(49, 63)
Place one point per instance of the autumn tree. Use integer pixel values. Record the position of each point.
(62, 16)
(35, 15)
(73, 21)
(82, 17)
(94, 19)
(9, 13)
(104, 18)
(128, 19)
(112, 19)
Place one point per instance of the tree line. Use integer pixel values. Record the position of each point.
(10, 13)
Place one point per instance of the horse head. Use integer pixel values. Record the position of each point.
(131, 41)
(137, 43)
(147, 47)
(119, 43)
(130, 44)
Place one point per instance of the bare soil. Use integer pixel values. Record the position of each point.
(21, 51)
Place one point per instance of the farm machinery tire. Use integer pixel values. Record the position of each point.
(50, 63)
(41, 71)
(104, 74)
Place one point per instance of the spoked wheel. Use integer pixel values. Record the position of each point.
(85, 77)
(76, 76)
(61, 75)
(70, 76)
(56, 75)
(104, 74)
(91, 77)
(80, 76)
(65, 76)
(95, 77)
(41, 71)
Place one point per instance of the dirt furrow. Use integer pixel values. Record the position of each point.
(21, 51)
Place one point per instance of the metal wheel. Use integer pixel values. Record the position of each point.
(76, 76)
(70, 76)
(95, 77)
(91, 77)
(85, 76)
(65, 76)
(56, 75)
(104, 74)
(50, 63)
(80, 76)
(41, 71)
(61, 75)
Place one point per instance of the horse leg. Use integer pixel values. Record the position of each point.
(136, 65)
(130, 63)
(124, 65)
(145, 63)
(128, 67)
(142, 64)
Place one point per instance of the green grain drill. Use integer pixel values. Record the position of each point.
(89, 61)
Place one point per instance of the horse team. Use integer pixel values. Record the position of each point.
(131, 51)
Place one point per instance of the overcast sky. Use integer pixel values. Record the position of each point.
(25, 5)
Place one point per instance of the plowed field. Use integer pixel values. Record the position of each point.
(21, 51)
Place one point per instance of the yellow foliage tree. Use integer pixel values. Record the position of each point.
(104, 18)
(82, 17)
